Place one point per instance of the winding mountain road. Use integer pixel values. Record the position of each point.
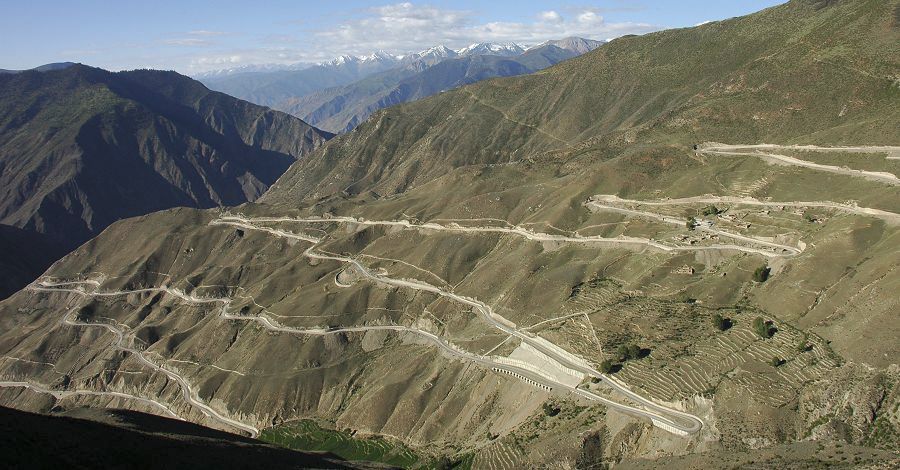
(597, 203)
(61, 394)
(749, 201)
(735, 150)
(667, 418)
(683, 422)
(627, 241)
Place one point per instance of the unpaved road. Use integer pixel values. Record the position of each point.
(749, 201)
(780, 249)
(758, 151)
(623, 241)
(669, 419)
(271, 325)
(681, 421)
(61, 394)
(120, 343)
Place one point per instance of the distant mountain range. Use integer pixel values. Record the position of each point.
(82, 147)
(338, 95)
(42, 68)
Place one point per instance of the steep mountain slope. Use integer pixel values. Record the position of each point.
(752, 79)
(557, 269)
(81, 148)
(343, 108)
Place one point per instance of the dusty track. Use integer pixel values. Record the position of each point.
(735, 150)
(598, 203)
(62, 394)
(749, 201)
(622, 241)
(667, 418)
(682, 422)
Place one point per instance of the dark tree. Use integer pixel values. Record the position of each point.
(605, 367)
(761, 274)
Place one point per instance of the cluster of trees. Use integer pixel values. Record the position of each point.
(761, 274)
(721, 323)
(628, 351)
(551, 409)
(764, 328)
(606, 367)
(625, 352)
(710, 210)
(691, 223)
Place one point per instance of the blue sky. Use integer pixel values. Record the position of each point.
(196, 36)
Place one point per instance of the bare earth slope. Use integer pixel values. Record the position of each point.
(557, 269)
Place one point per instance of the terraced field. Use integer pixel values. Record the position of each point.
(309, 436)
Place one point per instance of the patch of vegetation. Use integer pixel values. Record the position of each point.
(764, 328)
(606, 367)
(306, 435)
(631, 351)
(761, 274)
(690, 223)
(710, 210)
(721, 323)
(551, 409)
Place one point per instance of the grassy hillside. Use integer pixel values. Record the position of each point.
(779, 75)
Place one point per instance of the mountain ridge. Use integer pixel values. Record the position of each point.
(81, 147)
(319, 94)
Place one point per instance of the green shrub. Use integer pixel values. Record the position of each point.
(550, 409)
(763, 328)
(605, 367)
(629, 351)
(718, 321)
(710, 210)
(691, 223)
(761, 274)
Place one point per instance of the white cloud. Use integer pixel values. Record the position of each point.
(406, 27)
(550, 16)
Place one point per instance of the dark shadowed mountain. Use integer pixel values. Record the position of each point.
(85, 438)
(81, 147)
(26, 255)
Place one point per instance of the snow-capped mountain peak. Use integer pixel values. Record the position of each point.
(491, 48)
(573, 44)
